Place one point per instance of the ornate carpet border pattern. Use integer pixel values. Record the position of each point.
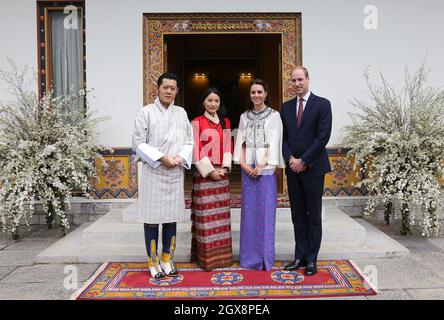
(117, 280)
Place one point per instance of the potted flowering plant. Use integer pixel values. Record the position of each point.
(398, 139)
(47, 150)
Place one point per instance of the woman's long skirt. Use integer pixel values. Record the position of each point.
(211, 244)
(258, 221)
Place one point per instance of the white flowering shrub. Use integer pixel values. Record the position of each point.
(47, 151)
(399, 140)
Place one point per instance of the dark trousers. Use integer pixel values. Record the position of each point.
(152, 236)
(305, 193)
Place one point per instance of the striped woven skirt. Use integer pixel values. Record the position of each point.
(211, 245)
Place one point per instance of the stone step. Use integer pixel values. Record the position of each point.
(129, 213)
(122, 204)
(376, 244)
(111, 230)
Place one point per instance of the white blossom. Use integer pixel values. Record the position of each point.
(401, 137)
(47, 151)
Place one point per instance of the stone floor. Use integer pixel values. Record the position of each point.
(416, 276)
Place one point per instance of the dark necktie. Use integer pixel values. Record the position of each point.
(300, 111)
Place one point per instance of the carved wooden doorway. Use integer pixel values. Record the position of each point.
(226, 51)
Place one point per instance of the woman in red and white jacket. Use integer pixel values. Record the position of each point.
(210, 208)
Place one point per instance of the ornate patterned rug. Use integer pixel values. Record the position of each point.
(335, 278)
(236, 201)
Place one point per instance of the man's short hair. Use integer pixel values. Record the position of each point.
(169, 76)
(303, 69)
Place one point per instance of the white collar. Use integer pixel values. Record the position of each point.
(214, 119)
(305, 98)
(160, 105)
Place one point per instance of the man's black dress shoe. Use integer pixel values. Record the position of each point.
(311, 269)
(296, 264)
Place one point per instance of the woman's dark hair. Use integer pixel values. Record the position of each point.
(265, 86)
(221, 112)
(169, 76)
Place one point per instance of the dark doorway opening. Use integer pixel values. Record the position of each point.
(229, 62)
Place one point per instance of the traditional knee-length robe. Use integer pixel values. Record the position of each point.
(160, 131)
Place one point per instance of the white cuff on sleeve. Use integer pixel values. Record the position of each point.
(204, 167)
(149, 154)
(187, 154)
(226, 162)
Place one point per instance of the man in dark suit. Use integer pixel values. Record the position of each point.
(307, 122)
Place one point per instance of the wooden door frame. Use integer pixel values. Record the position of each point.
(157, 25)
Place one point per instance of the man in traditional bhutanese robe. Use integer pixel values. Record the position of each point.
(163, 139)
